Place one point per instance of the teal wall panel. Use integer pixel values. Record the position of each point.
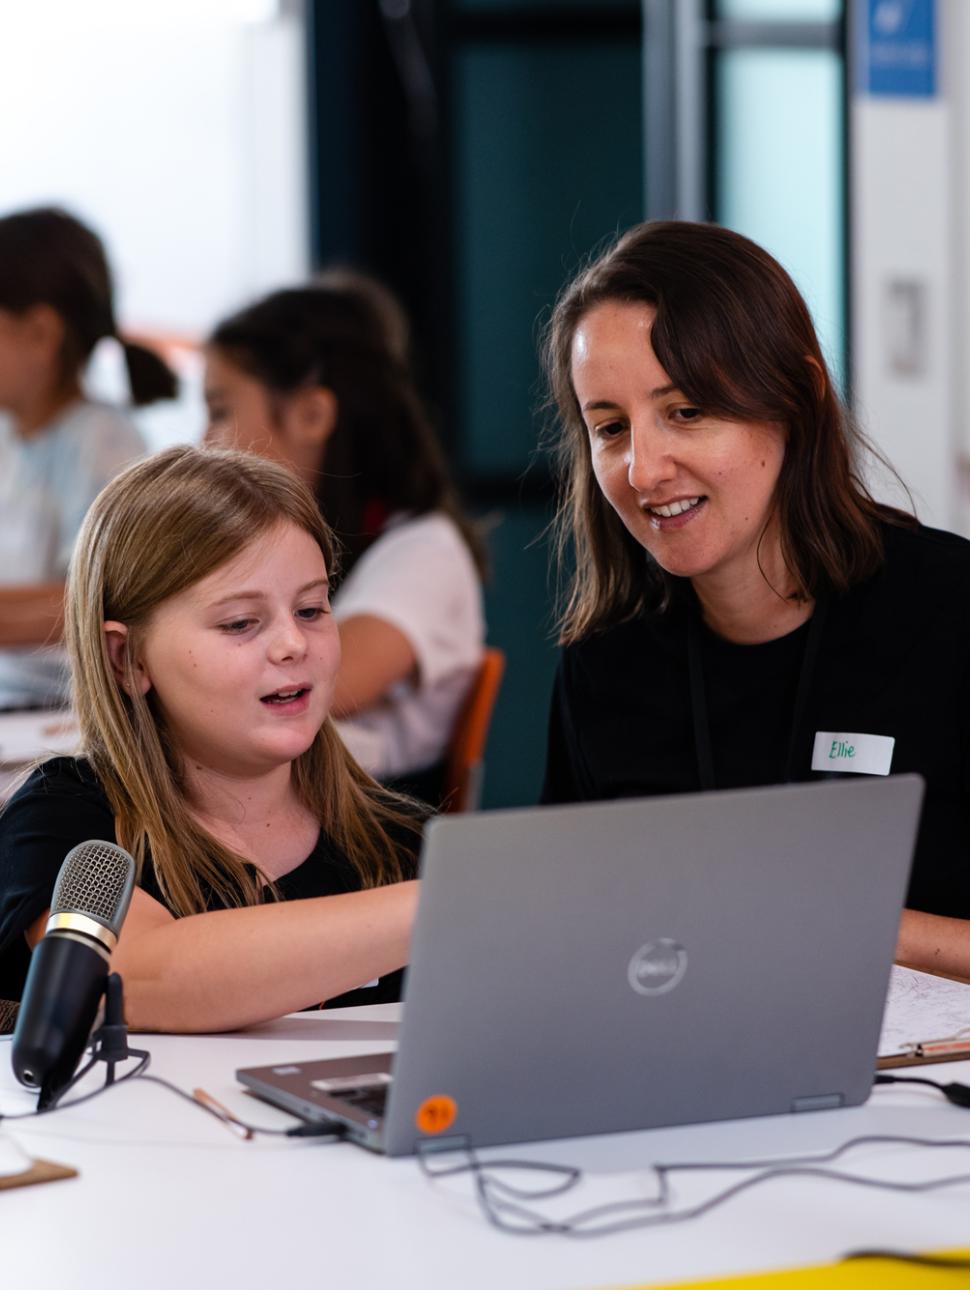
(547, 164)
(518, 607)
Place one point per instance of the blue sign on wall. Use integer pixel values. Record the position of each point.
(896, 47)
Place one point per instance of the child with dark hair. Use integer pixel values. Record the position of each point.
(317, 377)
(57, 448)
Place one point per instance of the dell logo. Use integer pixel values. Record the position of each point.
(657, 967)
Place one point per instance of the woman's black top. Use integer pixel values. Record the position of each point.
(63, 804)
(893, 659)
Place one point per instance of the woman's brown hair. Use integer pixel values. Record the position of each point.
(736, 338)
(156, 529)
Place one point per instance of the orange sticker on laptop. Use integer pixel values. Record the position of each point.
(435, 1114)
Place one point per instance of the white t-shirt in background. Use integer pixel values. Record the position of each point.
(418, 576)
(47, 483)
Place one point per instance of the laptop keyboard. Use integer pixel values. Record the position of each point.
(372, 1100)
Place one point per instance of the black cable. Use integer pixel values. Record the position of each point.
(904, 1256)
(619, 1216)
(958, 1094)
(597, 1221)
(86, 1097)
(571, 1174)
(303, 1130)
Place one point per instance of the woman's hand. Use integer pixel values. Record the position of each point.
(933, 943)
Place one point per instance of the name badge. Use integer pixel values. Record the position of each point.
(851, 753)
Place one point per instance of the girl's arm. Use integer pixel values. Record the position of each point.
(374, 656)
(235, 967)
(409, 610)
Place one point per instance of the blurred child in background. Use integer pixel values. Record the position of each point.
(317, 377)
(57, 448)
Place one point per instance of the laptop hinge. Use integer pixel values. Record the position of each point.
(818, 1102)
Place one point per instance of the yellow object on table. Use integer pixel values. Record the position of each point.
(853, 1274)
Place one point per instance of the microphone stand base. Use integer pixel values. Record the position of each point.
(109, 1044)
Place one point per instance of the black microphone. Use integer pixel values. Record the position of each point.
(69, 966)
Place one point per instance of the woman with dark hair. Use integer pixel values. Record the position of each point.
(742, 611)
(316, 377)
(57, 448)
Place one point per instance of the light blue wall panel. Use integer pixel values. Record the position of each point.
(779, 171)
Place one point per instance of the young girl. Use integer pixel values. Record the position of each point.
(57, 449)
(204, 657)
(315, 377)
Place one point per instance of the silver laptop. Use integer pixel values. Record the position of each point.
(624, 965)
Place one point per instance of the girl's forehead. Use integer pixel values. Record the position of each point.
(281, 550)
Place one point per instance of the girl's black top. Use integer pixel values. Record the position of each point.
(63, 804)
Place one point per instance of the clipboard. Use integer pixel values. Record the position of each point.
(18, 1169)
(32, 1170)
(927, 1020)
(918, 1058)
(37, 1171)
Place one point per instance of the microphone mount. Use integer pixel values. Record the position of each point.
(109, 1043)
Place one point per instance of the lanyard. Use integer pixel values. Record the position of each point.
(698, 693)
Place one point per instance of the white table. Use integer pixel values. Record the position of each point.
(168, 1197)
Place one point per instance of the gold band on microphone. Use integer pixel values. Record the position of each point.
(72, 921)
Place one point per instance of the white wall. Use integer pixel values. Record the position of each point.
(911, 351)
(178, 132)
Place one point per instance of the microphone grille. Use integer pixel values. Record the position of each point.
(96, 879)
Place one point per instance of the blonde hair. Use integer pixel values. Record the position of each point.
(156, 529)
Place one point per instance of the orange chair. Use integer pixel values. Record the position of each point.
(464, 764)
